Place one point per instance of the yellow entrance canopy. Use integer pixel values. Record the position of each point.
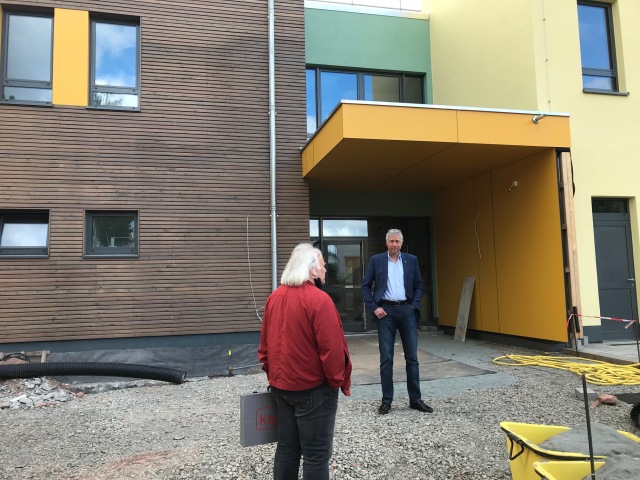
(389, 147)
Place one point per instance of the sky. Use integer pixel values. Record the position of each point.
(24, 235)
(339, 228)
(116, 55)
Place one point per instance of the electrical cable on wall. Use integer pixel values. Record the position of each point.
(255, 304)
(477, 237)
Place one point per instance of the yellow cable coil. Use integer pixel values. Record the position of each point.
(596, 372)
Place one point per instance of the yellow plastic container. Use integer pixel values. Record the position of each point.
(556, 470)
(523, 441)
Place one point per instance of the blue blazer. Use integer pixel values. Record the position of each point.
(376, 276)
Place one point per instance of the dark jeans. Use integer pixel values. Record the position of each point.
(401, 318)
(306, 421)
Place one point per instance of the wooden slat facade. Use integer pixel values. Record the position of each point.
(194, 162)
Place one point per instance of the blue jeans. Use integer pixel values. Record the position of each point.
(306, 421)
(401, 318)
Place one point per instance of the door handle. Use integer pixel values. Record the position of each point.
(631, 279)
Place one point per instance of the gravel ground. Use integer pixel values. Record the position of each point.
(190, 431)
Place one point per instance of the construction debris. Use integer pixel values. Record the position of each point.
(32, 392)
(606, 399)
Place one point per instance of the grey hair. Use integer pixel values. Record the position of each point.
(394, 231)
(302, 265)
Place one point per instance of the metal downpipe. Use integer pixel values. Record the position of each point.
(272, 148)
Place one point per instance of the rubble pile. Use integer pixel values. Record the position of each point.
(31, 392)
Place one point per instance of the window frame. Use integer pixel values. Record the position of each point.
(25, 252)
(110, 252)
(95, 89)
(4, 53)
(360, 82)
(611, 46)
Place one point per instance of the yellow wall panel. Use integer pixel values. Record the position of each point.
(327, 137)
(486, 283)
(528, 247)
(400, 123)
(456, 249)
(307, 159)
(70, 57)
(513, 129)
(511, 242)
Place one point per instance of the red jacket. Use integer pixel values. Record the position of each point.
(302, 343)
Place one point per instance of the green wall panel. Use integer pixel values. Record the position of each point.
(368, 41)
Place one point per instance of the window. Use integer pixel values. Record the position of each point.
(326, 88)
(312, 101)
(111, 233)
(338, 228)
(115, 65)
(336, 86)
(314, 227)
(27, 52)
(24, 233)
(382, 88)
(344, 228)
(609, 205)
(597, 49)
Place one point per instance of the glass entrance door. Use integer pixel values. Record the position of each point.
(344, 259)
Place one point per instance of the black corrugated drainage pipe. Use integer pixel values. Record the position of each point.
(129, 370)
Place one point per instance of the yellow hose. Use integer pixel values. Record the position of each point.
(596, 372)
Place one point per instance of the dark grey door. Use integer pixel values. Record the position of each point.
(614, 262)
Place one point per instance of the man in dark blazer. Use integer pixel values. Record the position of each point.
(395, 302)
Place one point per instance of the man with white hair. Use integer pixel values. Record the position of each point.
(305, 354)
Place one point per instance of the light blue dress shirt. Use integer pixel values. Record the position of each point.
(395, 281)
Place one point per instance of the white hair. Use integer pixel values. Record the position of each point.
(302, 265)
(393, 231)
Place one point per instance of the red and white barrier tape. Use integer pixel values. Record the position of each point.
(630, 322)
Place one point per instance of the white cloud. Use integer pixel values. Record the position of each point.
(116, 55)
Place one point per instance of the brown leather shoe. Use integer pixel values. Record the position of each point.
(421, 406)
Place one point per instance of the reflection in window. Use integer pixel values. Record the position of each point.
(115, 69)
(312, 114)
(27, 94)
(314, 228)
(412, 89)
(382, 88)
(609, 205)
(344, 266)
(24, 233)
(596, 46)
(327, 88)
(27, 51)
(111, 233)
(335, 86)
(344, 228)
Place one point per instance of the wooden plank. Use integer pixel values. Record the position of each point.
(572, 244)
(463, 309)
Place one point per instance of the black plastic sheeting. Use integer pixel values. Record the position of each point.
(129, 370)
